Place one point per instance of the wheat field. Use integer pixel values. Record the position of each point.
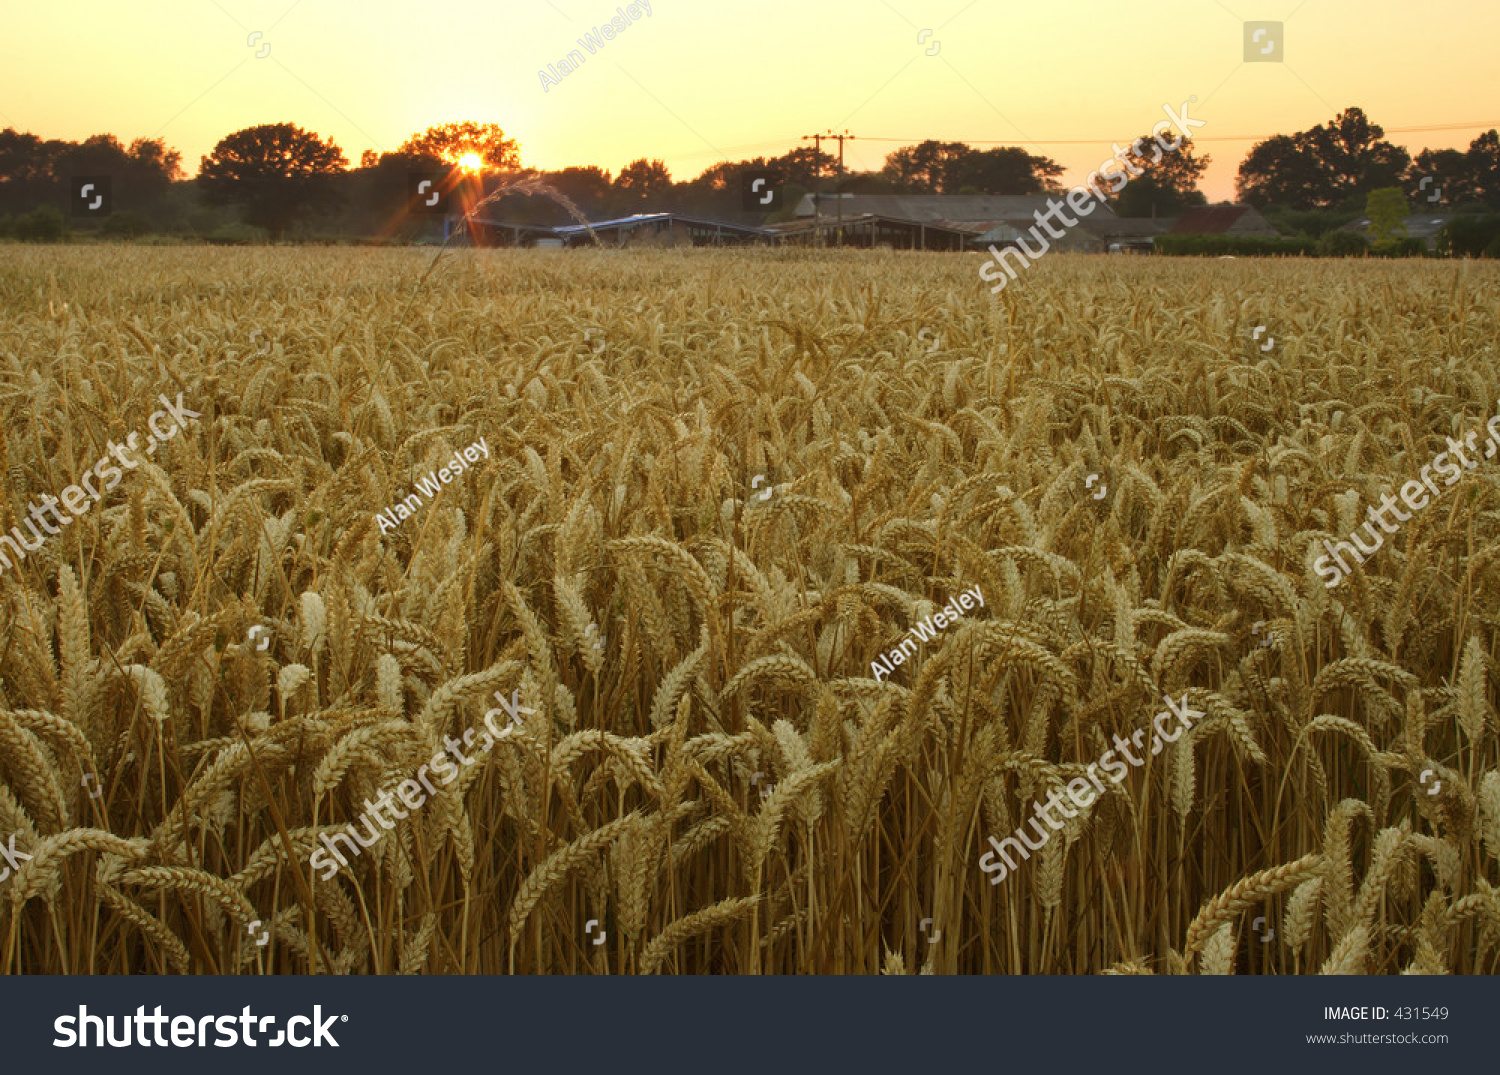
(719, 484)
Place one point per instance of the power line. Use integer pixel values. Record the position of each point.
(1485, 125)
(1195, 138)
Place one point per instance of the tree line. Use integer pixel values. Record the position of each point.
(280, 180)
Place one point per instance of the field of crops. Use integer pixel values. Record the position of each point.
(715, 488)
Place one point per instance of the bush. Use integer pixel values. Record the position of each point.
(1408, 247)
(1314, 222)
(126, 224)
(1469, 236)
(1493, 249)
(1343, 244)
(237, 234)
(7, 226)
(44, 225)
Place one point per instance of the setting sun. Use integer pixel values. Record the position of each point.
(471, 162)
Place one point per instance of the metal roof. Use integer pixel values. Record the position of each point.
(1418, 225)
(656, 218)
(850, 220)
(936, 208)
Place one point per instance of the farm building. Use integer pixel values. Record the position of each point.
(960, 222)
(954, 222)
(483, 231)
(873, 230)
(1424, 226)
(663, 229)
(1223, 219)
(642, 229)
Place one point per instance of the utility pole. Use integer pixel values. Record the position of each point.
(838, 184)
(817, 141)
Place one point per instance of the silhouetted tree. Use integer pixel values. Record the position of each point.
(1002, 170)
(1472, 176)
(1321, 167)
(925, 167)
(586, 187)
(803, 166)
(1168, 182)
(140, 175)
(933, 167)
(1483, 166)
(34, 172)
(276, 173)
(451, 141)
(642, 181)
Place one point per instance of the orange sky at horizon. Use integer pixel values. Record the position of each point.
(694, 82)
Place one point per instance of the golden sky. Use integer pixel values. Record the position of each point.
(698, 81)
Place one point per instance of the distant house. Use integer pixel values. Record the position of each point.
(1131, 235)
(1223, 219)
(1424, 226)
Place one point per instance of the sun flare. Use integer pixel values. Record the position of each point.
(471, 162)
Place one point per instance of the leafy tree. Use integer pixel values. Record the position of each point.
(586, 187)
(1448, 170)
(1342, 244)
(1469, 236)
(1387, 210)
(1464, 176)
(642, 181)
(952, 167)
(1482, 166)
(1323, 166)
(1355, 156)
(1168, 182)
(803, 165)
(34, 172)
(870, 183)
(378, 192)
(1280, 171)
(26, 170)
(276, 172)
(451, 142)
(42, 225)
(1310, 222)
(925, 167)
(723, 176)
(126, 224)
(150, 156)
(141, 175)
(1002, 170)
